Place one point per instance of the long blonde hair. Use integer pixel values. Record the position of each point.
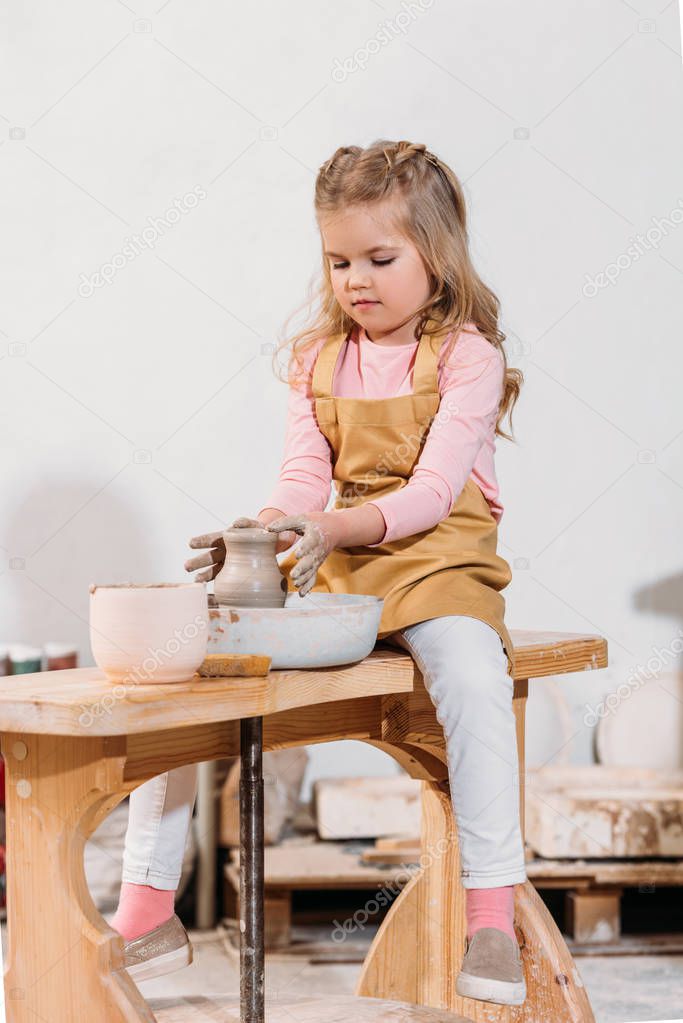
(431, 213)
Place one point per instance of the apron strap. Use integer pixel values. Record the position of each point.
(426, 368)
(325, 364)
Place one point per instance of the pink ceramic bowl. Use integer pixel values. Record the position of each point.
(141, 634)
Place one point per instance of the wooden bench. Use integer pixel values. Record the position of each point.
(65, 775)
(593, 890)
(301, 866)
(320, 1009)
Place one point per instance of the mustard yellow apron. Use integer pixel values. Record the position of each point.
(451, 569)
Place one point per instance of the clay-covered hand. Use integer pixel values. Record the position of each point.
(284, 540)
(214, 557)
(246, 523)
(320, 532)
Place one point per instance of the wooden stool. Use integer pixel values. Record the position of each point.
(74, 748)
(417, 952)
(320, 1009)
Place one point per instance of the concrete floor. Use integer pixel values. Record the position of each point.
(622, 989)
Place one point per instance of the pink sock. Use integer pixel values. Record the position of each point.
(141, 908)
(490, 907)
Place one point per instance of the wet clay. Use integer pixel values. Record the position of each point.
(250, 576)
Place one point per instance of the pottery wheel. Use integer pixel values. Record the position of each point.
(316, 631)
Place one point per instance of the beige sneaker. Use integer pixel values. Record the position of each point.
(492, 969)
(162, 950)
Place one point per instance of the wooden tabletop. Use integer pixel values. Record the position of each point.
(82, 701)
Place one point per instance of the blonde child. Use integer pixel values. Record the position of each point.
(397, 390)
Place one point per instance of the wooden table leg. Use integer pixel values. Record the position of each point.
(252, 939)
(426, 925)
(520, 697)
(61, 953)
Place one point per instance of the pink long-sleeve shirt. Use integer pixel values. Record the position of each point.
(460, 442)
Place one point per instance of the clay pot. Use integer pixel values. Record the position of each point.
(251, 576)
(149, 633)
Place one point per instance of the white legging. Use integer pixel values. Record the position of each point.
(464, 667)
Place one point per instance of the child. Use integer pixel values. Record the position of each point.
(396, 392)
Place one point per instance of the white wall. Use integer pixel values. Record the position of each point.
(564, 123)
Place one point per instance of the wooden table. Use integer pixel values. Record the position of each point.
(73, 750)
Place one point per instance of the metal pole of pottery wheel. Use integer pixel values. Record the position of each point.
(252, 937)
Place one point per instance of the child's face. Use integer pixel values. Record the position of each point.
(393, 275)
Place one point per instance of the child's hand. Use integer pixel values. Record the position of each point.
(320, 536)
(215, 557)
(283, 542)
